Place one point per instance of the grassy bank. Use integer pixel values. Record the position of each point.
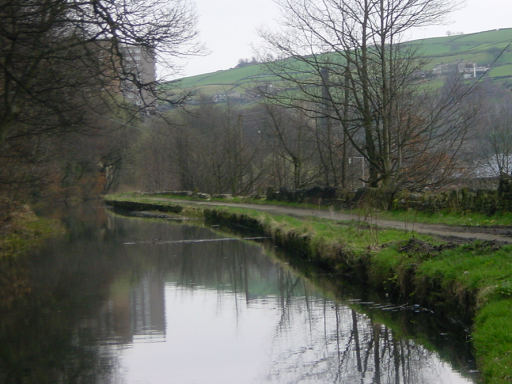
(21, 230)
(471, 281)
(470, 219)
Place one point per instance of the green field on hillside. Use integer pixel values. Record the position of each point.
(490, 48)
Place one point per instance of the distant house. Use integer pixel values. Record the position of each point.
(468, 70)
(471, 70)
(223, 97)
(219, 98)
(418, 75)
(444, 69)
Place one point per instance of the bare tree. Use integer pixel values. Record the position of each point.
(498, 138)
(501, 144)
(294, 138)
(57, 55)
(341, 61)
(224, 150)
(209, 148)
(65, 66)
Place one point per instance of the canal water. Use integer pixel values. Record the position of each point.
(143, 301)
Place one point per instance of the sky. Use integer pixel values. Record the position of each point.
(229, 28)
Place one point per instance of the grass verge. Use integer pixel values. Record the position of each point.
(470, 219)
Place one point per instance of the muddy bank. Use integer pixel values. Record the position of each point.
(133, 206)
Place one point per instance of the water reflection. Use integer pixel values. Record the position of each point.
(102, 311)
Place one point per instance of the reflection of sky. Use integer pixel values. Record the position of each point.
(222, 312)
(225, 312)
(206, 341)
(217, 337)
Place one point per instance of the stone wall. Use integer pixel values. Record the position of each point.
(484, 201)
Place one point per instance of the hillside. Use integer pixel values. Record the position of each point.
(488, 52)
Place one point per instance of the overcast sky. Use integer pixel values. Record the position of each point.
(228, 28)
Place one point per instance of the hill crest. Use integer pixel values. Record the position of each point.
(489, 51)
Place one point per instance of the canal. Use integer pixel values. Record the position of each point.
(129, 300)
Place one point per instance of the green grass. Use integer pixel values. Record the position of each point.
(142, 198)
(225, 77)
(471, 219)
(475, 267)
(135, 196)
(502, 70)
(25, 233)
(358, 237)
(492, 338)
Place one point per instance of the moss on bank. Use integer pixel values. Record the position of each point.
(21, 230)
(470, 281)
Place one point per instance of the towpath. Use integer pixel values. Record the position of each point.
(461, 233)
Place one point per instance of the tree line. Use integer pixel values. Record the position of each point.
(225, 148)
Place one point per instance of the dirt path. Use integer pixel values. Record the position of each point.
(503, 235)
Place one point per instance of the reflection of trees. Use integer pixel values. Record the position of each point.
(341, 346)
(51, 328)
(99, 289)
(325, 342)
(79, 295)
(43, 336)
(234, 266)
